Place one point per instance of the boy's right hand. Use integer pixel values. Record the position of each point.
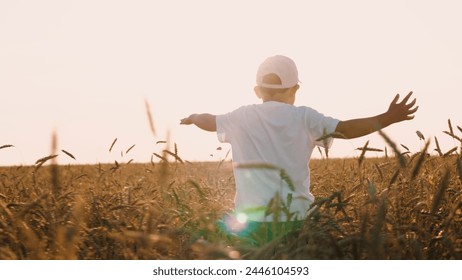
(203, 121)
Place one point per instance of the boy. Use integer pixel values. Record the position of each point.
(272, 144)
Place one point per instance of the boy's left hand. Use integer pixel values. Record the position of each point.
(401, 111)
(396, 112)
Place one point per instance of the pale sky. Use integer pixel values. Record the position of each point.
(84, 69)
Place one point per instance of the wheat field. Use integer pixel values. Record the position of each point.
(401, 206)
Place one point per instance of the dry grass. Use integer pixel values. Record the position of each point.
(106, 213)
(376, 210)
(408, 207)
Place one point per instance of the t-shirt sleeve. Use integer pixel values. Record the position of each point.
(319, 125)
(226, 125)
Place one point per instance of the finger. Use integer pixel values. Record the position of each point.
(406, 98)
(395, 100)
(410, 117)
(410, 105)
(410, 112)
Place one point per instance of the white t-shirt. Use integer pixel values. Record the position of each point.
(265, 139)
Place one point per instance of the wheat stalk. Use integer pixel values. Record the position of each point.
(392, 144)
(68, 154)
(129, 149)
(420, 160)
(163, 158)
(363, 153)
(112, 145)
(174, 155)
(450, 152)
(450, 127)
(369, 149)
(407, 149)
(41, 161)
(438, 149)
(420, 135)
(6, 146)
(150, 119)
(56, 186)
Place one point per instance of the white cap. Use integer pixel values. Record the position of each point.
(281, 66)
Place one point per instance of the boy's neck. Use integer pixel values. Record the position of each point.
(284, 96)
(283, 99)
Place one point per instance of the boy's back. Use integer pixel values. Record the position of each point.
(272, 134)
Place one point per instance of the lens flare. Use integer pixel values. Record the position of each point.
(236, 223)
(241, 218)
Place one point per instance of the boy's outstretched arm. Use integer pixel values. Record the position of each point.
(206, 122)
(397, 112)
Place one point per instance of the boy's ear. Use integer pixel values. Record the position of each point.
(296, 87)
(257, 91)
(293, 90)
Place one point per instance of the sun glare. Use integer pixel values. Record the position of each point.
(241, 218)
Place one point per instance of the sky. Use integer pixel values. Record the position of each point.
(84, 70)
